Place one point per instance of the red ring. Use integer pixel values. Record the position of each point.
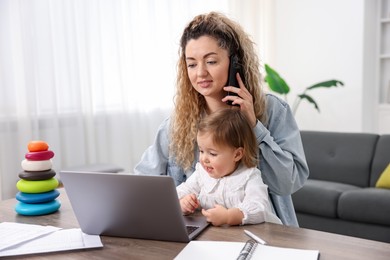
(39, 156)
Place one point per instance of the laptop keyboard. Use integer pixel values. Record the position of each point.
(191, 229)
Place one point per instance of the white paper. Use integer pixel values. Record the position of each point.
(230, 250)
(196, 250)
(57, 240)
(12, 234)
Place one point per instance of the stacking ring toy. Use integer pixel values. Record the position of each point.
(33, 198)
(34, 166)
(39, 156)
(36, 146)
(37, 176)
(37, 186)
(37, 209)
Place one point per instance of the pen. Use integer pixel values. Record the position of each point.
(258, 239)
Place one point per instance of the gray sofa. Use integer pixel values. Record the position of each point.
(340, 194)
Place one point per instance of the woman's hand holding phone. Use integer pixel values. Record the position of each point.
(237, 94)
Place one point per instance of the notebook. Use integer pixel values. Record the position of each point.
(126, 205)
(242, 250)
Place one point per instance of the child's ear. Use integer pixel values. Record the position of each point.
(238, 154)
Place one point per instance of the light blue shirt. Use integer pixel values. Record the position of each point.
(282, 160)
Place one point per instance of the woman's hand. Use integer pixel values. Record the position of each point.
(189, 204)
(244, 100)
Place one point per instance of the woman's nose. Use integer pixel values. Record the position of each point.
(202, 71)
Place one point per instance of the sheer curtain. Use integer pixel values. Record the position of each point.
(93, 78)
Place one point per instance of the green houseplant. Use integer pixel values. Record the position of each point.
(277, 84)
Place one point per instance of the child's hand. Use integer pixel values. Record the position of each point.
(220, 215)
(189, 204)
(217, 215)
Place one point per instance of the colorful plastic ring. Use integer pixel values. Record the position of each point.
(34, 198)
(37, 176)
(37, 209)
(34, 166)
(37, 186)
(39, 156)
(37, 146)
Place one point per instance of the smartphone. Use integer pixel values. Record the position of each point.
(234, 67)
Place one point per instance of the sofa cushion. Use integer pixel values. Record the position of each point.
(384, 179)
(368, 205)
(339, 157)
(320, 197)
(381, 158)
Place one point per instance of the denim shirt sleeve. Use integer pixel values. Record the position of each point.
(156, 159)
(282, 161)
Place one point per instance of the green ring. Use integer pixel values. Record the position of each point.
(37, 186)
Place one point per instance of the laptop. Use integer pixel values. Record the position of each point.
(126, 205)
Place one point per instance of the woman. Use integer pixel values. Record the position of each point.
(206, 46)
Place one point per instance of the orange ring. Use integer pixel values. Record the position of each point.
(37, 146)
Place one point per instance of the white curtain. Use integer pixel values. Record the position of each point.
(93, 78)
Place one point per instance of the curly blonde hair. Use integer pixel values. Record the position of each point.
(189, 104)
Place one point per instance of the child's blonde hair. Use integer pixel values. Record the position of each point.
(230, 127)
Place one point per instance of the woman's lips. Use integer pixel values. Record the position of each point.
(204, 84)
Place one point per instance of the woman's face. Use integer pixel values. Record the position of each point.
(207, 66)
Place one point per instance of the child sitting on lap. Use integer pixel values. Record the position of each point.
(226, 183)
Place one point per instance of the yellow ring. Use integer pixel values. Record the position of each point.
(37, 186)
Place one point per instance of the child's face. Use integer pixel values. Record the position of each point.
(217, 160)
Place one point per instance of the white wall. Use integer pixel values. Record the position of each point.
(316, 41)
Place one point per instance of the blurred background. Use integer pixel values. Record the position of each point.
(95, 78)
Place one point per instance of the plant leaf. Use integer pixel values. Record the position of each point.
(327, 84)
(310, 100)
(275, 82)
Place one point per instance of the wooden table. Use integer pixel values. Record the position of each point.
(331, 246)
